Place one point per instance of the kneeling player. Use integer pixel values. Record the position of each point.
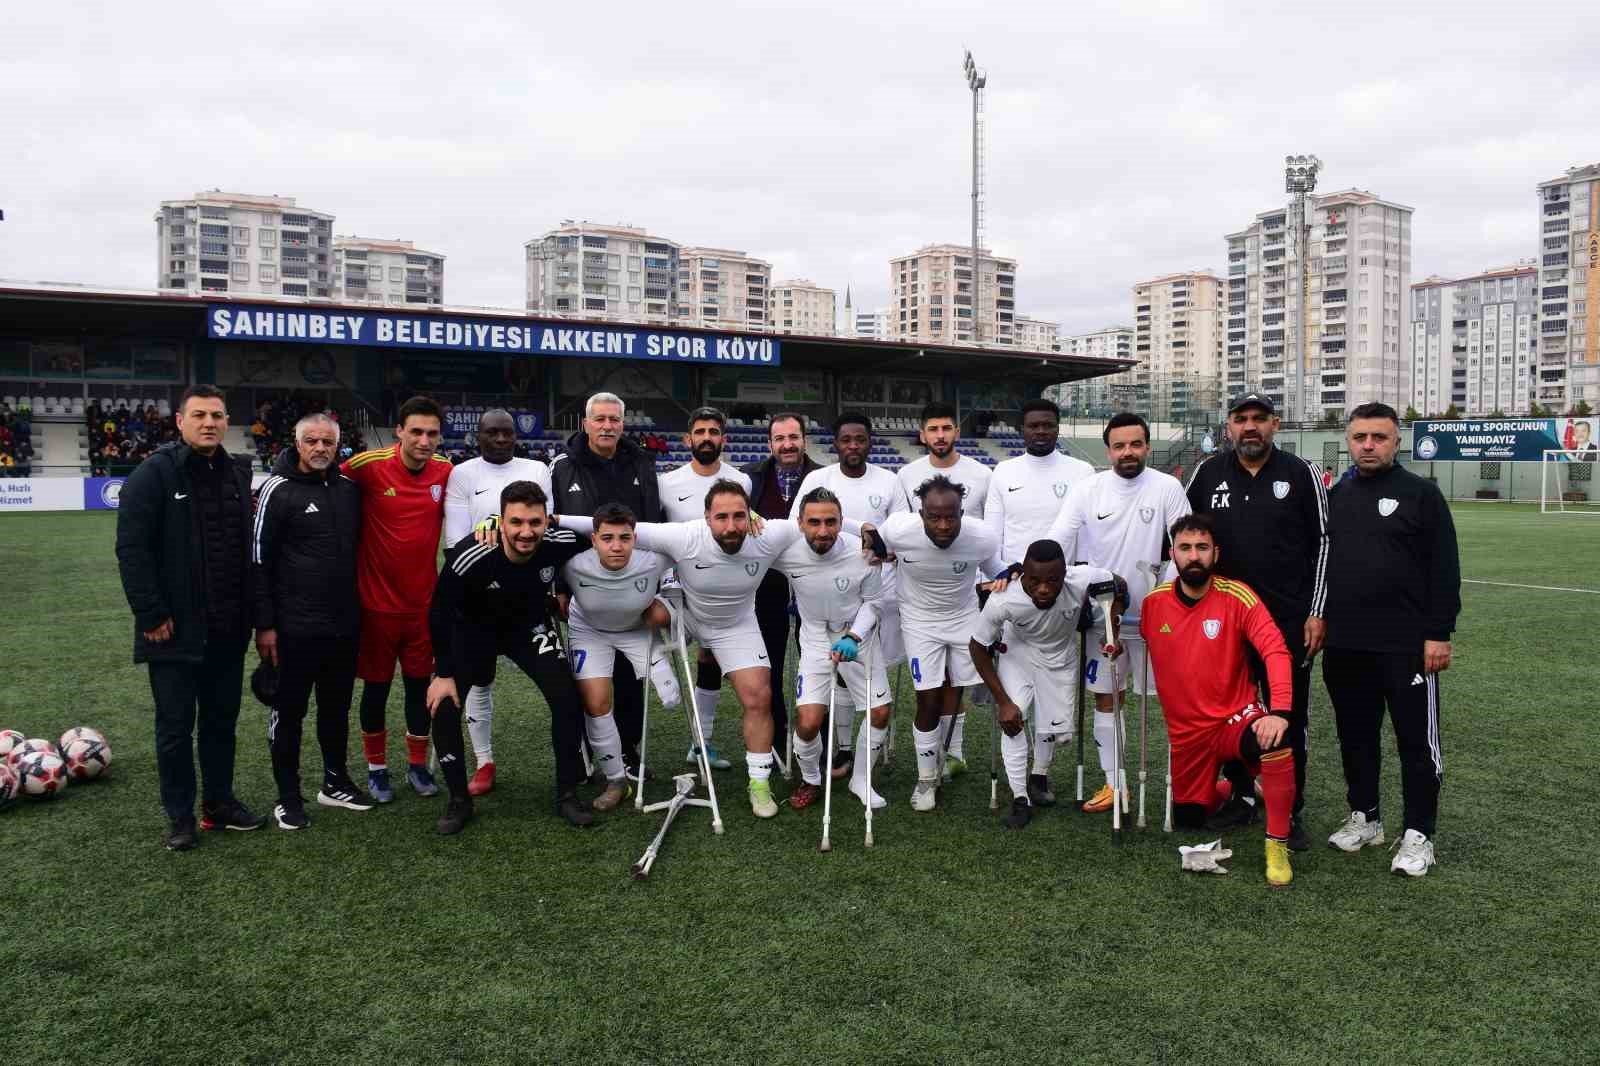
(1198, 630)
(1039, 668)
(493, 600)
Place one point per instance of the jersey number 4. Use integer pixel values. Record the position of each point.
(1090, 669)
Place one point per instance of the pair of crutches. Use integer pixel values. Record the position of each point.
(1144, 714)
(1120, 803)
(683, 784)
(827, 765)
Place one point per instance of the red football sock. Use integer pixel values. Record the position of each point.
(416, 749)
(1277, 789)
(376, 746)
(1221, 792)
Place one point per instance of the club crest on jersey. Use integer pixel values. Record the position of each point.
(641, 583)
(751, 568)
(1280, 489)
(1146, 514)
(842, 584)
(1212, 627)
(958, 568)
(1387, 506)
(547, 574)
(437, 492)
(875, 502)
(1060, 489)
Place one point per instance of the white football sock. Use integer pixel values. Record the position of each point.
(605, 744)
(808, 753)
(758, 764)
(874, 749)
(927, 752)
(844, 723)
(1044, 751)
(1104, 739)
(958, 730)
(479, 713)
(705, 707)
(1014, 753)
(665, 680)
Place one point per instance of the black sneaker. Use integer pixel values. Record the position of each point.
(290, 813)
(1298, 840)
(230, 814)
(574, 810)
(1232, 815)
(337, 792)
(1021, 814)
(844, 760)
(1039, 793)
(181, 835)
(456, 815)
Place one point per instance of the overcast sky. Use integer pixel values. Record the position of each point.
(1124, 140)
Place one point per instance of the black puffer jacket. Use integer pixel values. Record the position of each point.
(304, 550)
(161, 554)
(582, 482)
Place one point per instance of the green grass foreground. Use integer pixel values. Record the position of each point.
(367, 939)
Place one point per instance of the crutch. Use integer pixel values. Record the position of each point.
(1083, 657)
(680, 799)
(1108, 653)
(870, 756)
(894, 705)
(1144, 710)
(644, 726)
(827, 765)
(994, 761)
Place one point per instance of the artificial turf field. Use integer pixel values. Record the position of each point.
(368, 939)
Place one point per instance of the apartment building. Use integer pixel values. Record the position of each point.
(596, 271)
(933, 299)
(1178, 342)
(1569, 289)
(1037, 334)
(238, 243)
(1474, 342)
(1102, 395)
(1350, 343)
(388, 272)
(723, 288)
(802, 306)
(871, 324)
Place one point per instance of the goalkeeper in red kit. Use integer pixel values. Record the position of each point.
(1198, 630)
(402, 515)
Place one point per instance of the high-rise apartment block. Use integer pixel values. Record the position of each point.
(594, 271)
(234, 243)
(1102, 395)
(1569, 289)
(368, 270)
(1178, 342)
(802, 306)
(1037, 334)
(722, 288)
(1317, 320)
(933, 297)
(1474, 342)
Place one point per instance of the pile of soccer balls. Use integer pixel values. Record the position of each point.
(42, 768)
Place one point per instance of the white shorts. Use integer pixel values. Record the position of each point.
(1132, 661)
(594, 652)
(813, 681)
(936, 656)
(739, 647)
(1051, 694)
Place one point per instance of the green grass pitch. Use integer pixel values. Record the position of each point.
(367, 939)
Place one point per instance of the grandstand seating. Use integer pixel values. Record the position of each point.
(16, 438)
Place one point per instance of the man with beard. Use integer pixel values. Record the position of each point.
(471, 495)
(1270, 513)
(868, 494)
(683, 499)
(1198, 631)
(1118, 519)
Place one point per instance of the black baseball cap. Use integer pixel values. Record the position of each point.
(1253, 399)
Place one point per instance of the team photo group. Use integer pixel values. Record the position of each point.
(1034, 583)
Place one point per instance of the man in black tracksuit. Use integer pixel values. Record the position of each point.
(1392, 607)
(602, 466)
(307, 612)
(1270, 513)
(183, 550)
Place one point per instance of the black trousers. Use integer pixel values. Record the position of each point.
(627, 707)
(1296, 738)
(537, 653)
(326, 665)
(197, 706)
(1361, 684)
(772, 616)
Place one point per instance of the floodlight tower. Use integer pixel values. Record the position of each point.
(976, 80)
(1300, 181)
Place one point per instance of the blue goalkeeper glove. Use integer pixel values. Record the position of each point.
(846, 647)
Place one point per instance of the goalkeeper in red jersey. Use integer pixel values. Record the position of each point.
(1198, 630)
(402, 511)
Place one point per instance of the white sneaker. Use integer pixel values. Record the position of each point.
(924, 795)
(1413, 854)
(858, 788)
(1357, 833)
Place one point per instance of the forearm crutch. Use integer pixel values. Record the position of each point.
(1108, 658)
(827, 765)
(699, 739)
(1083, 658)
(644, 723)
(680, 799)
(870, 756)
(1144, 711)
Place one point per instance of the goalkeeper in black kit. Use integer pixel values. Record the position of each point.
(493, 600)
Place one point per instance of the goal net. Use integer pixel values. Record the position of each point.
(1565, 485)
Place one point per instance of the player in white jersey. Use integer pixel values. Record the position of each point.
(471, 495)
(939, 555)
(1119, 519)
(1034, 624)
(1027, 492)
(939, 433)
(612, 611)
(837, 593)
(683, 498)
(719, 565)
(868, 493)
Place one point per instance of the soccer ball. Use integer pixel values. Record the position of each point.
(9, 786)
(9, 739)
(85, 756)
(29, 747)
(81, 732)
(43, 774)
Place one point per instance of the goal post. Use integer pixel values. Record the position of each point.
(1565, 482)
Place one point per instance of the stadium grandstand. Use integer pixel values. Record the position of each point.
(94, 374)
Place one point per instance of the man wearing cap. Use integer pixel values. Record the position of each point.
(1270, 513)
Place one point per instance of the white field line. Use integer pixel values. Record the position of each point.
(1541, 588)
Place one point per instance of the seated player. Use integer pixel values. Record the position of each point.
(1039, 670)
(1198, 630)
(493, 600)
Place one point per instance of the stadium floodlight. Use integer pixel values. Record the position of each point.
(976, 80)
(1300, 174)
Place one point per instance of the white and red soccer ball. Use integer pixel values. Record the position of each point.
(9, 785)
(30, 746)
(9, 739)
(42, 774)
(86, 753)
